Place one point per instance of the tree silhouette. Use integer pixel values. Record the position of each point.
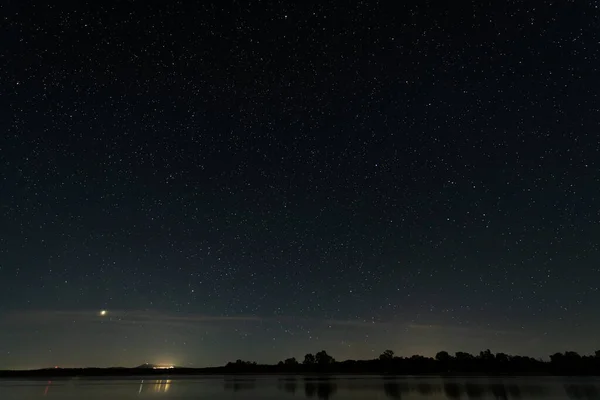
(309, 359)
(485, 363)
(322, 358)
(290, 361)
(443, 357)
(462, 356)
(486, 355)
(556, 357)
(501, 358)
(387, 355)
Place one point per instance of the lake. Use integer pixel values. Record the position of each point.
(282, 387)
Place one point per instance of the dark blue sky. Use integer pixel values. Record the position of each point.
(260, 181)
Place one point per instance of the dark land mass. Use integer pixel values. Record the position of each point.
(322, 364)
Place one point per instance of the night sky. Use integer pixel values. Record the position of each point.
(259, 180)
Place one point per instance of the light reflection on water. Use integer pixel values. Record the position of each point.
(317, 388)
(156, 386)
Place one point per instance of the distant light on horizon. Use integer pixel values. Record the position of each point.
(163, 367)
(103, 313)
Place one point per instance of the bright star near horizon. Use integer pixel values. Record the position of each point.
(102, 313)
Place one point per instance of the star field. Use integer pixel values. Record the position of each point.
(417, 176)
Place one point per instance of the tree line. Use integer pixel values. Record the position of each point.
(486, 362)
(444, 363)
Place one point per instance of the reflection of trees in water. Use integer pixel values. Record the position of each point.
(474, 391)
(499, 391)
(452, 390)
(515, 392)
(392, 389)
(288, 384)
(290, 387)
(395, 390)
(578, 391)
(425, 389)
(239, 384)
(323, 389)
(470, 390)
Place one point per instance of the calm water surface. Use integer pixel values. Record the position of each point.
(271, 387)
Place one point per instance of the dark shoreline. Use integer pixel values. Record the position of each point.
(220, 371)
(387, 365)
